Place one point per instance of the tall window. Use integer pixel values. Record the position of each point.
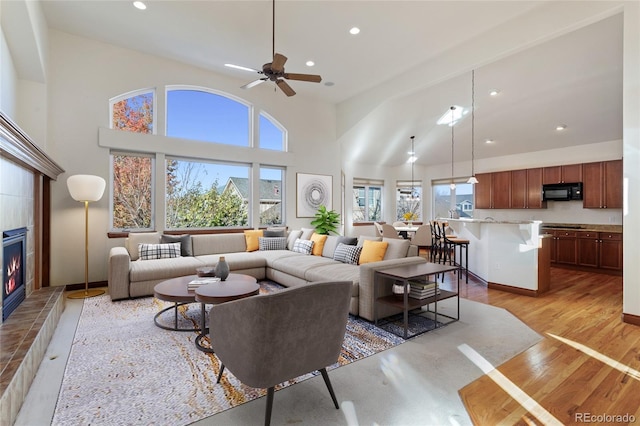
(449, 202)
(408, 201)
(199, 191)
(272, 135)
(271, 195)
(132, 196)
(367, 200)
(133, 112)
(205, 195)
(206, 116)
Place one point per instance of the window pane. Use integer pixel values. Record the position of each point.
(375, 203)
(132, 183)
(204, 116)
(271, 137)
(408, 203)
(206, 195)
(464, 199)
(134, 114)
(441, 200)
(271, 212)
(358, 204)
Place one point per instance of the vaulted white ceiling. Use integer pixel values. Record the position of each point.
(574, 79)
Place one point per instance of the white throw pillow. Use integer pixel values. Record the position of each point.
(158, 251)
(303, 246)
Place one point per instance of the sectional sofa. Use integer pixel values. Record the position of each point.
(130, 276)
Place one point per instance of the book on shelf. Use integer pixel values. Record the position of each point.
(200, 281)
(422, 285)
(423, 294)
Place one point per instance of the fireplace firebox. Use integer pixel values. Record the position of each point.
(14, 245)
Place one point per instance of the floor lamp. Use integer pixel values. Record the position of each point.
(86, 188)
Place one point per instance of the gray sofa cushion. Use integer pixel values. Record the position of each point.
(135, 238)
(396, 249)
(218, 243)
(184, 240)
(298, 265)
(237, 261)
(147, 270)
(292, 237)
(332, 242)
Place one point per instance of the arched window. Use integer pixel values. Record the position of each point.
(205, 116)
(133, 111)
(272, 134)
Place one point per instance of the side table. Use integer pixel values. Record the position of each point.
(406, 274)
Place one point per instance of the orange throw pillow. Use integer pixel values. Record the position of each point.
(372, 251)
(318, 243)
(251, 237)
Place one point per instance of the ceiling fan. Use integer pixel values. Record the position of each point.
(274, 70)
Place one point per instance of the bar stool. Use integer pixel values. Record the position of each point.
(461, 244)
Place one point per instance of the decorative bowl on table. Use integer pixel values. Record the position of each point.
(206, 271)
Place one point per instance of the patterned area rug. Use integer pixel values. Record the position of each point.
(124, 370)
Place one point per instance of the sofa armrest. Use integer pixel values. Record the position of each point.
(366, 290)
(413, 250)
(118, 274)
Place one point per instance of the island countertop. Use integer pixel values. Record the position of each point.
(490, 220)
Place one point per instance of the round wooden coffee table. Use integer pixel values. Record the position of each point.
(174, 290)
(236, 286)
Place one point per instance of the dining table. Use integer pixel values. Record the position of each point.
(404, 231)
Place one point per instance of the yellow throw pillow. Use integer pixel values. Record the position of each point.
(318, 243)
(372, 251)
(251, 238)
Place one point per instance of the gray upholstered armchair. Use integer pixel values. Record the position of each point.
(268, 339)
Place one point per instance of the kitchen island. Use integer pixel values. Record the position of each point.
(508, 255)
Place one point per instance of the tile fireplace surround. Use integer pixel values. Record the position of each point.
(25, 176)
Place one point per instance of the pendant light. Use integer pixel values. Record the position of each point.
(452, 185)
(414, 196)
(472, 180)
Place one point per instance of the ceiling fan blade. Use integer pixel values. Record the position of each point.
(253, 83)
(239, 67)
(285, 87)
(303, 77)
(278, 62)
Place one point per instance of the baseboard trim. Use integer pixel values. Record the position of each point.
(511, 289)
(95, 284)
(631, 319)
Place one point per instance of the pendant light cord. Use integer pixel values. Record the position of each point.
(473, 119)
(452, 109)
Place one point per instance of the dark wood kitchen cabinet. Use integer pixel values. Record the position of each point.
(526, 189)
(564, 248)
(602, 250)
(482, 191)
(602, 185)
(560, 174)
(501, 190)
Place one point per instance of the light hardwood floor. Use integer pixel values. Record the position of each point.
(565, 381)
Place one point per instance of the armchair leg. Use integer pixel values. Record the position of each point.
(325, 376)
(220, 373)
(267, 415)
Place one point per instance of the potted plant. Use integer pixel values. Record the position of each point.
(326, 221)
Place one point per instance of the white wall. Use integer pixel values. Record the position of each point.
(8, 79)
(85, 74)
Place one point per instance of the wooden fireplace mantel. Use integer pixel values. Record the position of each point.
(17, 146)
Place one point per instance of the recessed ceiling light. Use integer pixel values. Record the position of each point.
(310, 63)
(561, 127)
(489, 141)
(354, 30)
(494, 92)
(139, 5)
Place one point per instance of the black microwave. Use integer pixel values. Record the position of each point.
(562, 191)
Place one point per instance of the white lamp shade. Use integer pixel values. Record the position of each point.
(86, 187)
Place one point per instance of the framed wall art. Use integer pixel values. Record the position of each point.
(312, 192)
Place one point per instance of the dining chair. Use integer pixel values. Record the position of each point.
(422, 237)
(389, 231)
